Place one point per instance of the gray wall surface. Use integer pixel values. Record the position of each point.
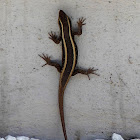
(93, 108)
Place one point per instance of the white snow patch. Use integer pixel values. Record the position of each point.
(10, 137)
(116, 137)
(99, 139)
(34, 139)
(17, 138)
(22, 138)
(2, 139)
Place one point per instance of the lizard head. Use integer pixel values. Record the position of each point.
(62, 17)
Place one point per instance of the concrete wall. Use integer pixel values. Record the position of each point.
(96, 108)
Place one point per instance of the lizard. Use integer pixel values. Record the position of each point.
(69, 58)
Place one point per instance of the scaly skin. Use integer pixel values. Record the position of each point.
(69, 58)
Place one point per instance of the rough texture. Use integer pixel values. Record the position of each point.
(96, 108)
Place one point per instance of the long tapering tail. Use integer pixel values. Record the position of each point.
(61, 110)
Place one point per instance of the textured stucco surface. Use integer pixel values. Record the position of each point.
(96, 108)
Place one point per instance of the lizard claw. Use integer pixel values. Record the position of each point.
(81, 21)
(46, 58)
(91, 71)
(52, 36)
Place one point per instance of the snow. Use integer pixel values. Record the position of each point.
(22, 138)
(34, 139)
(116, 137)
(17, 138)
(2, 139)
(99, 139)
(10, 138)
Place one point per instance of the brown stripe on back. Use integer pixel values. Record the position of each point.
(71, 54)
(69, 65)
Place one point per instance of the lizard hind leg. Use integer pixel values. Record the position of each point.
(46, 58)
(50, 62)
(85, 72)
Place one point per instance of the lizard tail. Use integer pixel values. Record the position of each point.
(61, 110)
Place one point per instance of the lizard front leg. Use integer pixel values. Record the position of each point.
(50, 62)
(55, 38)
(80, 24)
(85, 72)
